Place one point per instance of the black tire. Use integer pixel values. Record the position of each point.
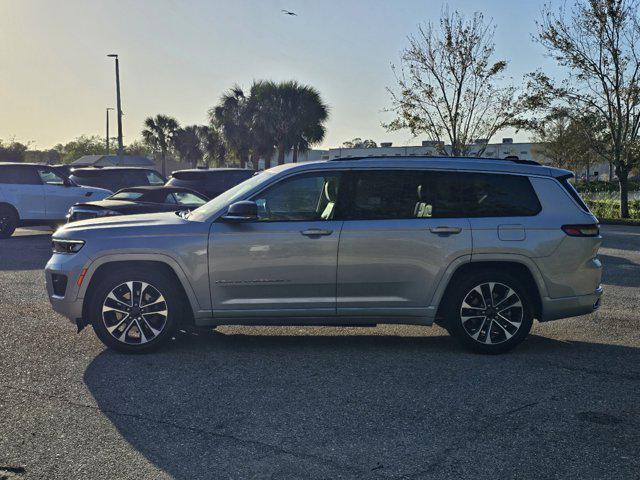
(480, 328)
(8, 221)
(145, 325)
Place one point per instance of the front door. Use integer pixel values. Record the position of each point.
(58, 196)
(285, 262)
(402, 229)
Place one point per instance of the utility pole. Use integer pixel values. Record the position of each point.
(106, 138)
(118, 104)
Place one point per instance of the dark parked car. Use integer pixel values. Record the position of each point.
(116, 178)
(211, 182)
(129, 201)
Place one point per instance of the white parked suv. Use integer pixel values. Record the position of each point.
(32, 194)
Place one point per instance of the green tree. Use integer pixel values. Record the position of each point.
(450, 87)
(79, 147)
(233, 118)
(598, 42)
(290, 114)
(158, 134)
(138, 148)
(187, 143)
(359, 143)
(213, 146)
(12, 151)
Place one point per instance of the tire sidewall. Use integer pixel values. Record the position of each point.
(13, 221)
(459, 292)
(158, 280)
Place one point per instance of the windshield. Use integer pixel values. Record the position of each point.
(203, 212)
(126, 196)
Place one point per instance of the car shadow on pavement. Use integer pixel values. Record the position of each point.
(620, 271)
(367, 406)
(25, 252)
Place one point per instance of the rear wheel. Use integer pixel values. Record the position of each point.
(8, 221)
(135, 310)
(489, 312)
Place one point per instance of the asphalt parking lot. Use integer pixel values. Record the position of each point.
(319, 403)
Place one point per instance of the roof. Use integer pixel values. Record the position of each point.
(108, 169)
(478, 164)
(113, 160)
(222, 169)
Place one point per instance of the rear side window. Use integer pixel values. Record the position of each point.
(574, 193)
(19, 174)
(153, 178)
(99, 179)
(498, 195)
(404, 194)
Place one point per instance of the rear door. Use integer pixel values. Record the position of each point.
(402, 229)
(22, 188)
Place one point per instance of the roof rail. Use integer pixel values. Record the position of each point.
(413, 157)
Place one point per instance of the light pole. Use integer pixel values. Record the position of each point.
(118, 104)
(106, 138)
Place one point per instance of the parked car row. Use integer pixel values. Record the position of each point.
(34, 194)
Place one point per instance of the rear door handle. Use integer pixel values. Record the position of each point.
(313, 232)
(445, 230)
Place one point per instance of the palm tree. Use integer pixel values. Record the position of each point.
(290, 113)
(212, 145)
(158, 134)
(232, 117)
(186, 142)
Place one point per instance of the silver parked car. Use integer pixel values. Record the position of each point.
(482, 247)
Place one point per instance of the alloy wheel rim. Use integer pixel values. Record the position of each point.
(491, 313)
(135, 312)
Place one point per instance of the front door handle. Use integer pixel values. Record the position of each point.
(445, 230)
(313, 232)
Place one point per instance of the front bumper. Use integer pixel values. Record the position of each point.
(564, 307)
(67, 303)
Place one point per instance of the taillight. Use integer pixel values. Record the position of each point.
(589, 230)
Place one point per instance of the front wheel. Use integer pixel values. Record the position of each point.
(135, 310)
(489, 312)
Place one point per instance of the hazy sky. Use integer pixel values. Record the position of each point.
(178, 57)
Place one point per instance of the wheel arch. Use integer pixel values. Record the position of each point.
(108, 266)
(523, 269)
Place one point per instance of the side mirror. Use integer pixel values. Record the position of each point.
(67, 182)
(243, 211)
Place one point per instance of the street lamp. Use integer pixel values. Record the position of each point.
(106, 138)
(118, 104)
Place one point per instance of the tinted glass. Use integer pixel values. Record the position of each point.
(301, 198)
(435, 194)
(100, 179)
(187, 198)
(224, 180)
(153, 178)
(18, 174)
(49, 177)
(498, 195)
(126, 196)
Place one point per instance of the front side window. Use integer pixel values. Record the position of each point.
(49, 177)
(307, 197)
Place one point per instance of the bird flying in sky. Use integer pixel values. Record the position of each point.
(287, 12)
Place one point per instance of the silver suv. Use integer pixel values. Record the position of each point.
(480, 247)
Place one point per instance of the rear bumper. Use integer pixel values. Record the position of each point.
(556, 308)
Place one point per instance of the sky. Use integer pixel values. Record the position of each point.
(178, 57)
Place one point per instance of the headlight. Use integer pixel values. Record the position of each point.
(67, 246)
